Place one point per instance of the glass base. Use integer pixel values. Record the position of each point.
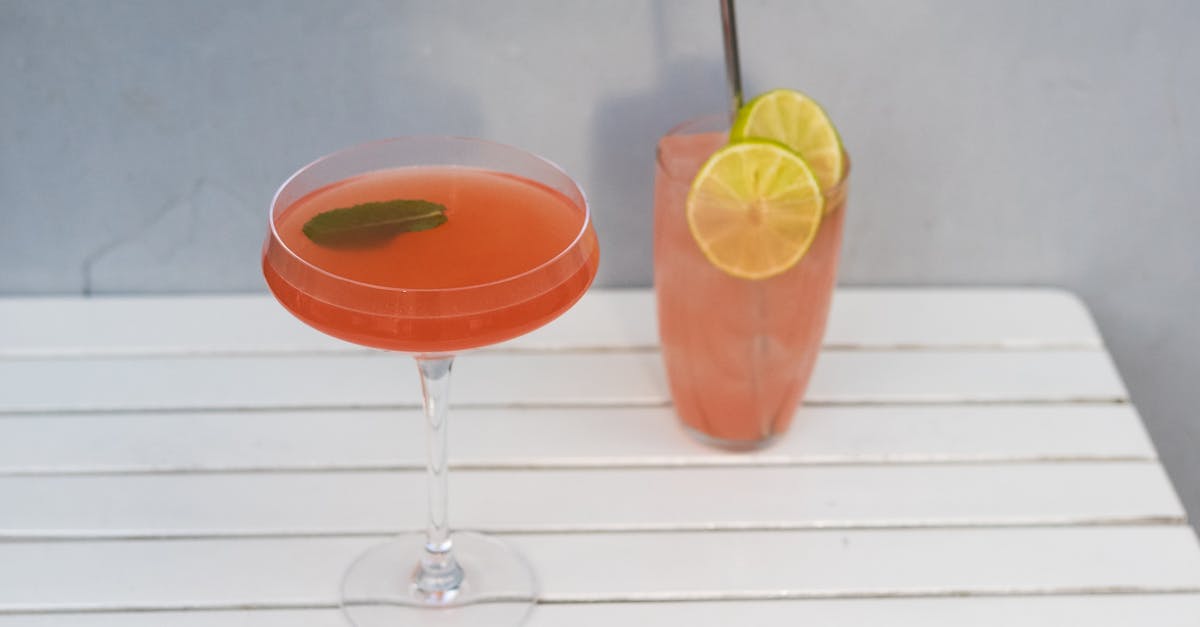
(498, 588)
(731, 445)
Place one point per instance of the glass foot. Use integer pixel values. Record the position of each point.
(498, 587)
(731, 445)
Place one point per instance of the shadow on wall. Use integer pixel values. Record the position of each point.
(625, 133)
(176, 122)
(208, 236)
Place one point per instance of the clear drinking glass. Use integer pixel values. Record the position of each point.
(433, 294)
(738, 352)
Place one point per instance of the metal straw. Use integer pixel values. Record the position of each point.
(733, 67)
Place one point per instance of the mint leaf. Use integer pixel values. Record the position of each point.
(373, 223)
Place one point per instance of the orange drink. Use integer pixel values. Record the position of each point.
(462, 285)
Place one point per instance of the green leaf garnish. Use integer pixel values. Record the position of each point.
(373, 223)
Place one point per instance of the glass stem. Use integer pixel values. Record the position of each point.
(438, 575)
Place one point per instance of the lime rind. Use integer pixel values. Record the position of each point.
(806, 129)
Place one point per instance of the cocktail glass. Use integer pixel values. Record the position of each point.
(738, 352)
(434, 294)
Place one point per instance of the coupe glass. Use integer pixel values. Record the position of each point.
(438, 577)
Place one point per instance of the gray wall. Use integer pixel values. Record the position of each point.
(1007, 142)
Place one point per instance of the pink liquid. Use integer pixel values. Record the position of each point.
(738, 353)
(505, 262)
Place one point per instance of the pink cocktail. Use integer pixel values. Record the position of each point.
(738, 352)
(431, 246)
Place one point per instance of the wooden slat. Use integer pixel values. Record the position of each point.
(635, 566)
(826, 563)
(557, 437)
(577, 500)
(366, 380)
(871, 317)
(1170, 610)
(962, 318)
(1123, 611)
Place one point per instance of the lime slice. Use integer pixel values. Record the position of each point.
(754, 209)
(796, 121)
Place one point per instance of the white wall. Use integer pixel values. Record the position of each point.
(1004, 143)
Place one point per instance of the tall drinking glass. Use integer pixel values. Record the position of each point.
(516, 250)
(738, 352)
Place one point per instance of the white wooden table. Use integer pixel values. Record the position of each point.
(966, 457)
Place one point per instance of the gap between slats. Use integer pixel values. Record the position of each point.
(1168, 610)
(653, 404)
(582, 348)
(734, 597)
(593, 463)
(18, 536)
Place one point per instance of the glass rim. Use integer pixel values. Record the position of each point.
(687, 125)
(583, 228)
(709, 122)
